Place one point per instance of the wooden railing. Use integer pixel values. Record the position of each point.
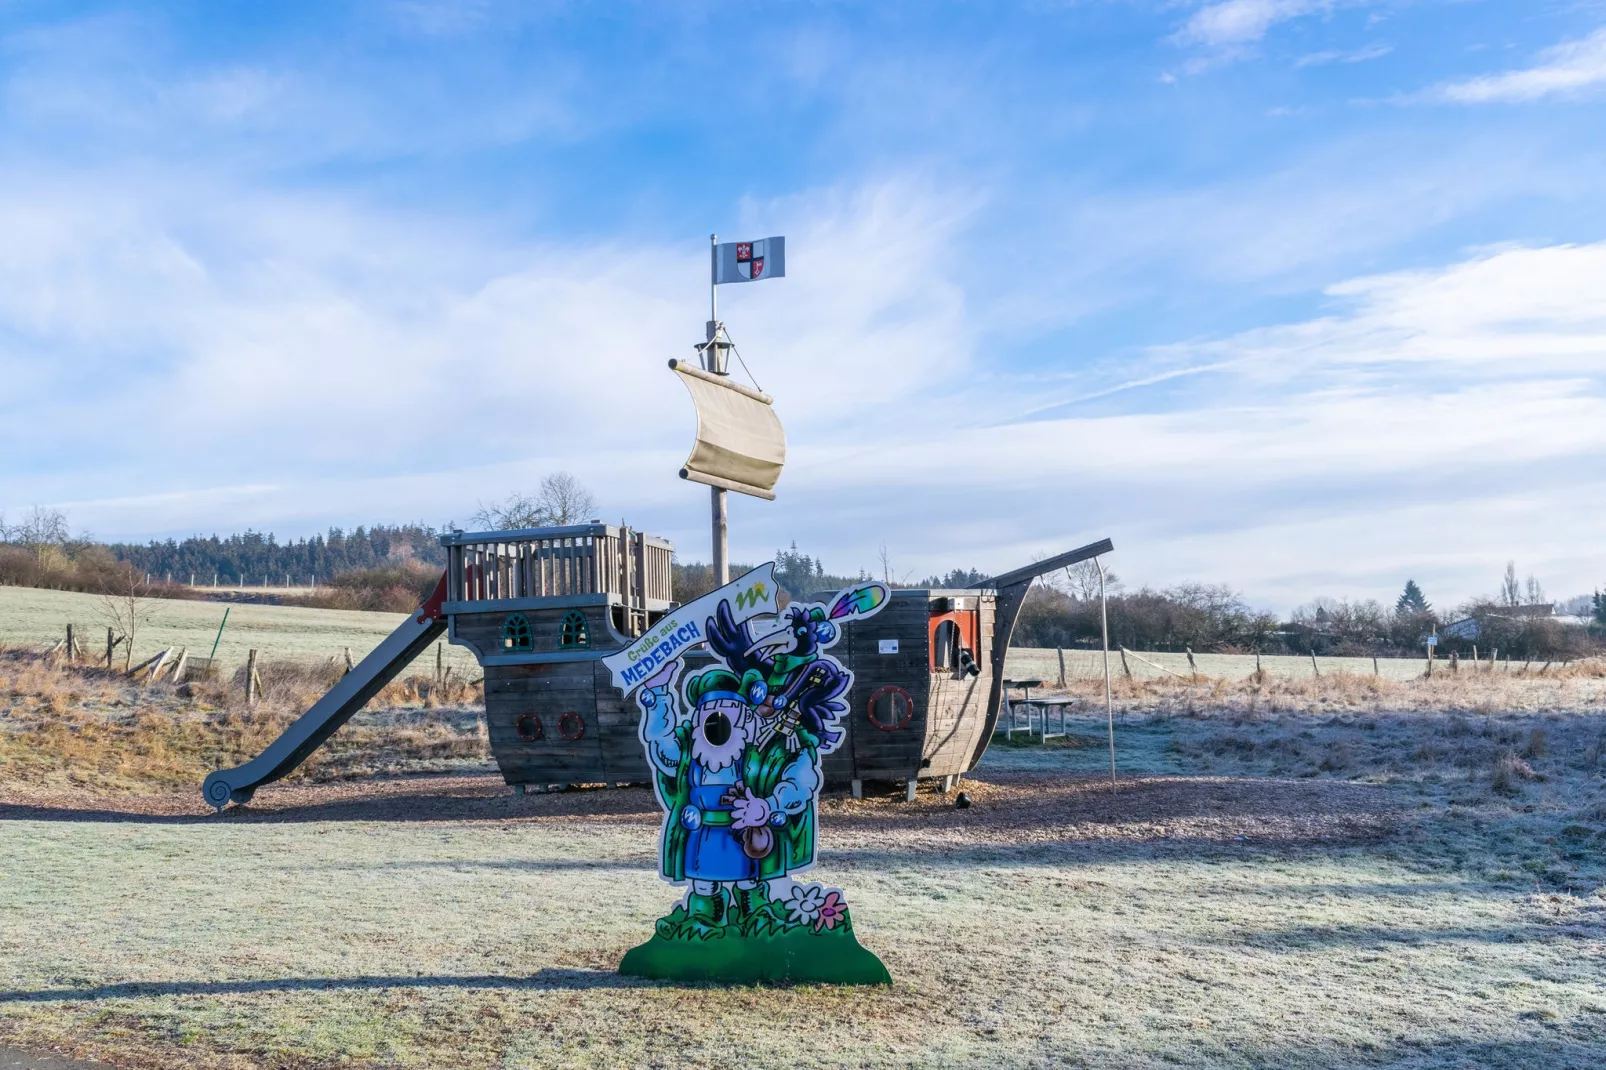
(559, 562)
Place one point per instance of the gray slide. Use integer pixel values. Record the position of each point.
(421, 628)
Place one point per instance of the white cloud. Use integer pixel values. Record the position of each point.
(166, 334)
(1438, 424)
(1359, 55)
(1566, 68)
(1240, 22)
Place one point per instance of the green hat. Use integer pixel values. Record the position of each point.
(716, 684)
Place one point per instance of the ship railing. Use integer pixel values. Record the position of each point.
(560, 562)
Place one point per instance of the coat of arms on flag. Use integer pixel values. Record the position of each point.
(750, 261)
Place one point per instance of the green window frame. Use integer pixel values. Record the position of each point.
(516, 634)
(576, 632)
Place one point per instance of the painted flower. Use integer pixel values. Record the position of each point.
(803, 905)
(832, 910)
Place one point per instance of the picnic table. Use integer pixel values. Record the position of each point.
(1028, 705)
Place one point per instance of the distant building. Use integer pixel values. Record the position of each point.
(1468, 628)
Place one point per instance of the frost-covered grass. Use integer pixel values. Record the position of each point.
(33, 617)
(1326, 873)
(1136, 933)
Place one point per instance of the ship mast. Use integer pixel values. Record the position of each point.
(714, 360)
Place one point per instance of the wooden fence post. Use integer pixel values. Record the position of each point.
(1191, 666)
(250, 677)
(440, 659)
(111, 644)
(1125, 668)
(1313, 666)
(1061, 651)
(349, 665)
(72, 646)
(1455, 663)
(1374, 666)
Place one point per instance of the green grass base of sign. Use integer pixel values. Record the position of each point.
(791, 956)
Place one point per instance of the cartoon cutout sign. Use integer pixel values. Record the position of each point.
(735, 749)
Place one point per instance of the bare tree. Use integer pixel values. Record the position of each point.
(126, 607)
(40, 530)
(1534, 592)
(1081, 581)
(1510, 592)
(561, 499)
(566, 500)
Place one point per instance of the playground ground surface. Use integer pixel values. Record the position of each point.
(1326, 873)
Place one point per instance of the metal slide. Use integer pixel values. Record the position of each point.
(421, 628)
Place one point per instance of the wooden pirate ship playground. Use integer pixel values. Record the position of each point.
(541, 607)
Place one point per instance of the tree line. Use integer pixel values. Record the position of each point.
(391, 567)
(254, 557)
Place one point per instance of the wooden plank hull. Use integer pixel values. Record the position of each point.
(563, 722)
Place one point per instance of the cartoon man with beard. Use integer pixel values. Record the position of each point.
(738, 783)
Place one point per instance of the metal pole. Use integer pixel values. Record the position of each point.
(713, 362)
(1109, 700)
(219, 638)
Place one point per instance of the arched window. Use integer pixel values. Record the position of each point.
(516, 633)
(575, 633)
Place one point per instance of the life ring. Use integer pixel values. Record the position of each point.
(894, 691)
(571, 726)
(529, 728)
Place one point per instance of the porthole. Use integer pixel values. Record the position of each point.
(516, 633)
(575, 633)
(890, 708)
(528, 726)
(571, 725)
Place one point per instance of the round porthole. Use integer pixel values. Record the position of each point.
(890, 708)
(528, 726)
(571, 725)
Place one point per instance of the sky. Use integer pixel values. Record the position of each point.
(1306, 297)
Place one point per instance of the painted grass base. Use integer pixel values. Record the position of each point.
(790, 956)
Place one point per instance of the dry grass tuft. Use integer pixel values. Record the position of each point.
(1509, 770)
(86, 726)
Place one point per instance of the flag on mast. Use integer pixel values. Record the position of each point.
(749, 261)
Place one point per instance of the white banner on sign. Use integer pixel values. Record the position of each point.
(753, 595)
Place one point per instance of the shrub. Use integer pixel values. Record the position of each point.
(383, 590)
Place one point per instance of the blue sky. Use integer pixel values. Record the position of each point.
(1305, 297)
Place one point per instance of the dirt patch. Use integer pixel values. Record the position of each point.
(1010, 809)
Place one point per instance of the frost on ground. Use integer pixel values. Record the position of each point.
(1412, 876)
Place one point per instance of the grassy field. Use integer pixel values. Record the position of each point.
(1029, 662)
(33, 617)
(1319, 874)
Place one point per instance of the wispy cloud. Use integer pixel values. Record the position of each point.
(1566, 68)
(1233, 23)
(1359, 55)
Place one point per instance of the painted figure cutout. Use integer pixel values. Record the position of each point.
(736, 749)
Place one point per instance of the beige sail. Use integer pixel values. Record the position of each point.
(740, 443)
